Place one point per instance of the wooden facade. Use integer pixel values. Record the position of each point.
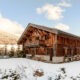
(44, 41)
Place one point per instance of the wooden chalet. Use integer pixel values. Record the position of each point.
(48, 43)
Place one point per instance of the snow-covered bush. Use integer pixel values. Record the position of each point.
(10, 75)
(17, 74)
(61, 75)
(38, 73)
(20, 53)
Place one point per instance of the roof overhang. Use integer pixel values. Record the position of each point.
(51, 30)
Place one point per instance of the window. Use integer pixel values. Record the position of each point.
(43, 38)
(37, 38)
(30, 39)
(46, 37)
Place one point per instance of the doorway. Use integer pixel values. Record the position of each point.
(50, 52)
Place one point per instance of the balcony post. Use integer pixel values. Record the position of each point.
(55, 46)
(35, 50)
(72, 53)
(65, 50)
(65, 53)
(79, 50)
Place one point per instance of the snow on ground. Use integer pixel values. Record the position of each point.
(26, 69)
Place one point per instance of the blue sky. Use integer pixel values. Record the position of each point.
(32, 11)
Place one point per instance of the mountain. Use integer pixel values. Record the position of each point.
(7, 38)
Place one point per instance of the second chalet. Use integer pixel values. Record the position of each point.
(49, 44)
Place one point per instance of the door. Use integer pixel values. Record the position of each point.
(50, 52)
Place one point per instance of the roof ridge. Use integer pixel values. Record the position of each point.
(46, 28)
(54, 29)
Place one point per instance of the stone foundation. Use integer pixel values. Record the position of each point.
(58, 59)
(43, 57)
(47, 58)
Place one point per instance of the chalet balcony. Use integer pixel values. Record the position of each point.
(37, 43)
(32, 44)
(42, 43)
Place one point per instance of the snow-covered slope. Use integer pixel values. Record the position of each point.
(27, 70)
(7, 38)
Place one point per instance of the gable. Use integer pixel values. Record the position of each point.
(29, 29)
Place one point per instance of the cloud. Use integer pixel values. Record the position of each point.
(64, 4)
(10, 26)
(63, 27)
(51, 12)
(0, 15)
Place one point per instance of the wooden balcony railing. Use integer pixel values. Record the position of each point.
(38, 43)
(42, 43)
(29, 44)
